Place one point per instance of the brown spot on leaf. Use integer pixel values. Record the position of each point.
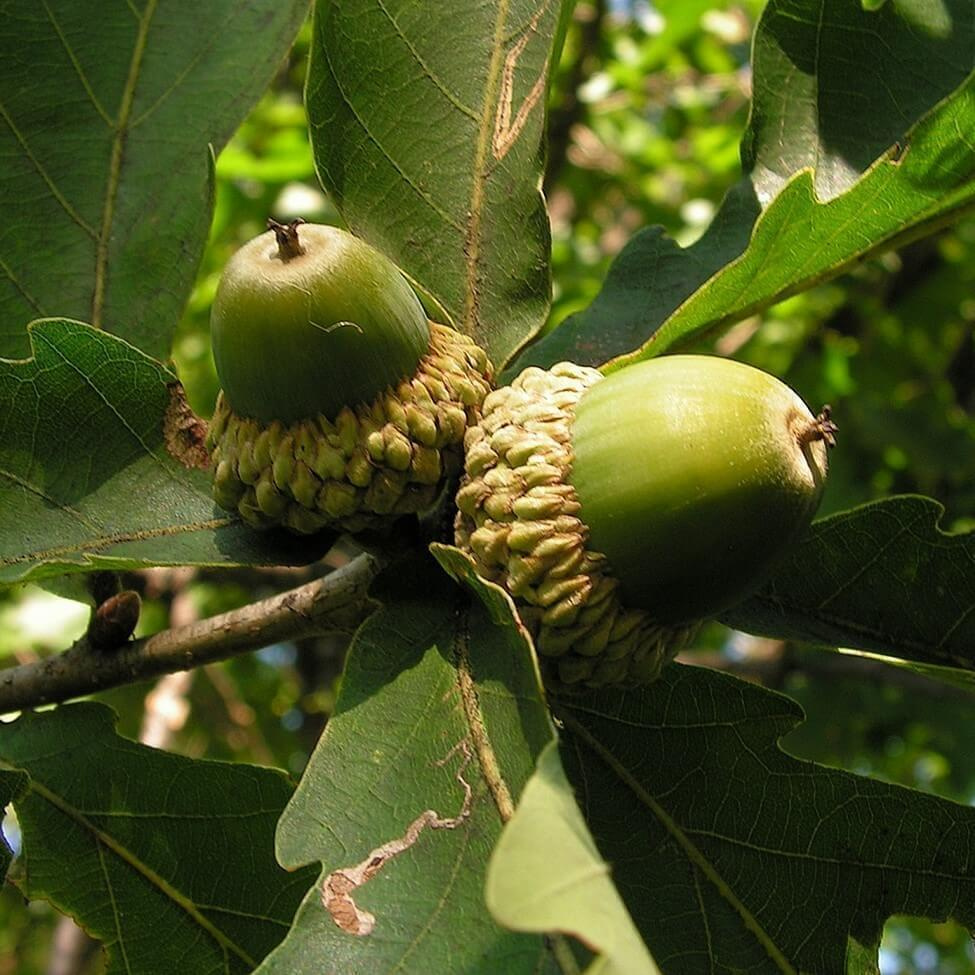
(339, 885)
(506, 130)
(184, 432)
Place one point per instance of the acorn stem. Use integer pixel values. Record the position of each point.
(821, 427)
(287, 234)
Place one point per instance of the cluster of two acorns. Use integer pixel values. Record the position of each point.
(619, 511)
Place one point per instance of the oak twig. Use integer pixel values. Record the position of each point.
(336, 601)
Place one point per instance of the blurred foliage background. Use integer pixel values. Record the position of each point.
(646, 112)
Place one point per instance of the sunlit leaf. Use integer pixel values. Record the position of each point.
(962, 679)
(832, 179)
(836, 84)
(546, 875)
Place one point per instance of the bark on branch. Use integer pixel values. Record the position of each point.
(336, 601)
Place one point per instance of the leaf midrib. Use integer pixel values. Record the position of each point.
(472, 238)
(115, 164)
(107, 541)
(107, 841)
(691, 851)
(491, 774)
(942, 210)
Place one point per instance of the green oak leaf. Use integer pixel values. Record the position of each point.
(130, 840)
(836, 84)
(546, 875)
(444, 177)
(883, 577)
(106, 115)
(436, 731)
(737, 857)
(101, 466)
(961, 679)
(823, 188)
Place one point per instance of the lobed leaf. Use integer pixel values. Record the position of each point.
(799, 241)
(435, 733)
(836, 84)
(167, 860)
(883, 577)
(850, 150)
(106, 115)
(100, 466)
(431, 142)
(736, 856)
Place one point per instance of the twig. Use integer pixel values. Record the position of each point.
(337, 601)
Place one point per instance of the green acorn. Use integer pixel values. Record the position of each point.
(342, 404)
(620, 511)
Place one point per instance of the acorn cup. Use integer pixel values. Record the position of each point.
(621, 511)
(342, 405)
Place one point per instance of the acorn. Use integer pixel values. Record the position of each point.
(620, 511)
(342, 405)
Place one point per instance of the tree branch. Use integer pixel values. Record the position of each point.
(336, 601)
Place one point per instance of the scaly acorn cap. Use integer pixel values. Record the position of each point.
(340, 425)
(620, 511)
(371, 462)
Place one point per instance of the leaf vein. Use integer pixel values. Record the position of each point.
(442, 901)
(76, 64)
(681, 836)
(475, 213)
(120, 538)
(427, 70)
(27, 296)
(165, 468)
(46, 176)
(876, 557)
(181, 77)
(37, 492)
(110, 887)
(418, 190)
(127, 856)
